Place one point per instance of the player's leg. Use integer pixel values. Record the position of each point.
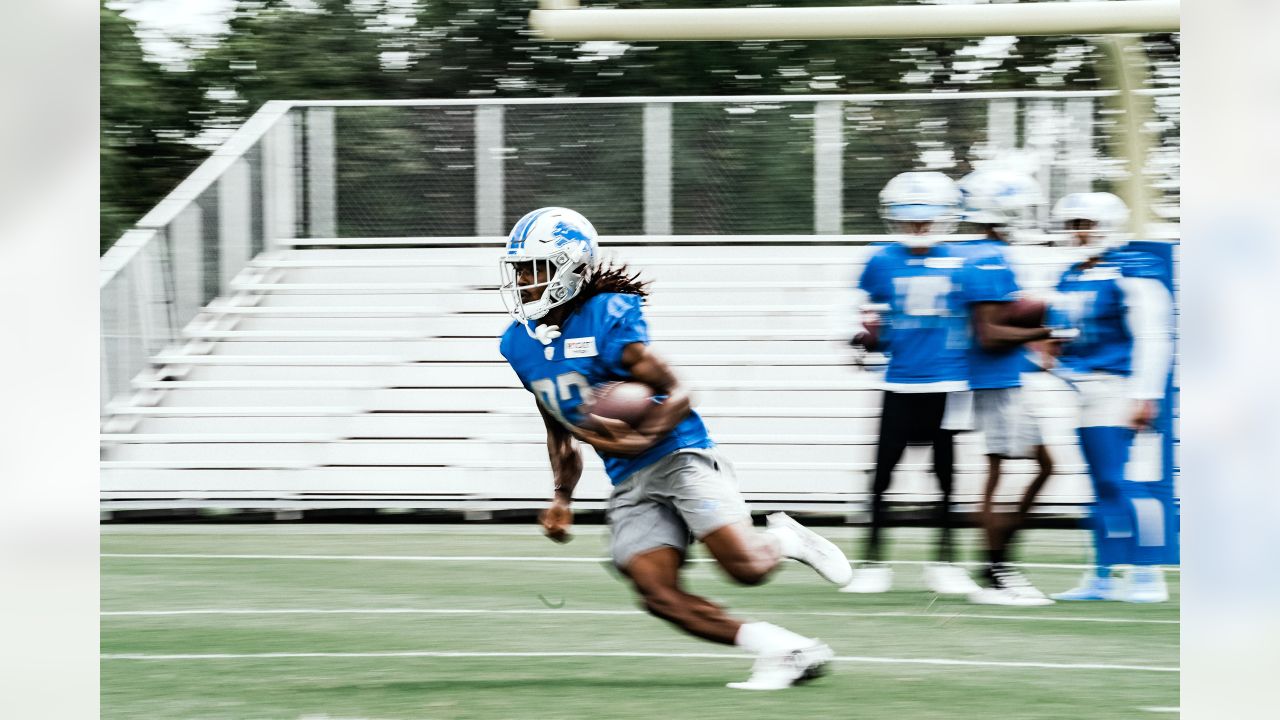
(1044, 463)
(991, 420)
(992, 528)
(895, 425)
(1010, 432)
(944, 576)
(1005, 583)
(703, 488)
(783, 657)
(1149, 502)
(655, 575)
(648, 542)
(1105, 446)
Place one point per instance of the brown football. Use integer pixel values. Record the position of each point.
(627, 401)
(1024, 313)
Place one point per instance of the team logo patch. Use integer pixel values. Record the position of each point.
(580, 347)
(549, 352)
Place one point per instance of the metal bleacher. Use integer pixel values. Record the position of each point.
(310, 319)
(354, 376)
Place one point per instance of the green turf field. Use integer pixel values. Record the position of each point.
(323, 621)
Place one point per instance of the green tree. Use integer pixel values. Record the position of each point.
(146, 125)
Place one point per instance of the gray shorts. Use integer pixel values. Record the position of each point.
(1006, 423)
(686, 495)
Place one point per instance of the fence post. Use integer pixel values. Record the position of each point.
(657, 168)
(1002, 126)
(186, 235)
(235, 221)
(279, 183)
(490, 218)
(828, 167)
(322, 203)
(1079, 145)
(1040, 140)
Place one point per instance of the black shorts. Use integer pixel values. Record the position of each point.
(914, 418)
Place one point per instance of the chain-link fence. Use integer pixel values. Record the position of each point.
(687, 166)
(711, 166)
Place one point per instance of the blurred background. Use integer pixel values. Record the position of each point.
(179, 77)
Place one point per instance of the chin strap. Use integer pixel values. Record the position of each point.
(544, 334)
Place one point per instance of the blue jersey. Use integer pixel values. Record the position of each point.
(588, 353)
(987, 277)
(929, 327)
(1093, 301)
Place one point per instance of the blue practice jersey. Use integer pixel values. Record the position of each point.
(1093, 301)
(929, 326)
(588, 353)
(987, 277)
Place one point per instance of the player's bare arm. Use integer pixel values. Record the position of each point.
(566, 469)
(618, 438)
(993, 335)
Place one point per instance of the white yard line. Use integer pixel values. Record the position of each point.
(538, 611)
(507, 558)
(904, 536)
(717, 656)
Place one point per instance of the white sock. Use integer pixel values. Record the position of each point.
(788, 544)
(761, 638)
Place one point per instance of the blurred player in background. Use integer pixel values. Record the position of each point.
(1119, 365)
(579, 323)
(925, 398)
(1001, 203)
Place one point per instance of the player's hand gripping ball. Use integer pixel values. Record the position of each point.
(628, 401)
(1024, 313)
(868, 337)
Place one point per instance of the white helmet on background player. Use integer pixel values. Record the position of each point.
(1006, 199)
(1107, 212)
(561, 244)
(920, 197)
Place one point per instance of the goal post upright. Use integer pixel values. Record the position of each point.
(1112, 24)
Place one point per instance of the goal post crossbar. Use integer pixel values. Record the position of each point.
(565, 20)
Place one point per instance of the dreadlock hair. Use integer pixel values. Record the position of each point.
(606, 277)
(610, 278)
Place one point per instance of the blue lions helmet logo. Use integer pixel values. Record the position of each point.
(564, 233)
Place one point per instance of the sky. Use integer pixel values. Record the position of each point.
(157, 20)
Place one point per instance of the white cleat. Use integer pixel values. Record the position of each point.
(1092, 588)
(813, 550)
(1144, 585)
(874, 578)
(948, 579)
(1008, 587)
(783, 670)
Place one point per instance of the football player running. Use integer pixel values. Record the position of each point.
(925, 398)
(1001, 204)
(1119, 365)
(579, 323)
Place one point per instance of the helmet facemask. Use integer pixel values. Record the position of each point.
(940, 228)
(1107, 213)
(562, 274)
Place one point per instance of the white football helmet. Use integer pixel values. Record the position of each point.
(562, 246)
(1005, 198)
(1106, 210)
(920, 197)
